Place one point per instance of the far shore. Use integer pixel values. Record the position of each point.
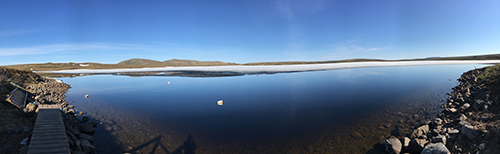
(271, 68)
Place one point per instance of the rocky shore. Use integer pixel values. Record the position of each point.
(469, 123)
(19, 123)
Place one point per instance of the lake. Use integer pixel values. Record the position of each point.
(333, 111)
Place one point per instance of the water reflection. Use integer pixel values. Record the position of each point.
(336, 111)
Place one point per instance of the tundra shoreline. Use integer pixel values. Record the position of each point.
(271, 68)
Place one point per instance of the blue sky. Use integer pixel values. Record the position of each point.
(245, 31)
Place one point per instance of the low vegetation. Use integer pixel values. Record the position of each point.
(491, 75)
(140, 63)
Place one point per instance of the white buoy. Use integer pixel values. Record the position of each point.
(220, 102)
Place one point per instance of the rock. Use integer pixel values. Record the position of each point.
(81, 113)
(74, 131)
(71, 111)
(435, 148)
(463, 123)
(484, 118)
(422, 130)
(72, 136)
(479, 105)
(12, 132)
(406, 141)
(496, 101)
(71, 142)
(437, 122)
(78, 144)
(25, 141)
(453, 131)
(355, 135)
(23, 150)
(439, 139)
(86, 146)
(116, 127)
(462, 117)
(26, 130)
(416, 145)
(464, 107)
(85, 118)
(93, 123)
(469, 131)
(87, 129)
(393, 145)
(452, 110)
(25, 112)
(71, 106)
(77, 152)
(31, 107)
(87, 137)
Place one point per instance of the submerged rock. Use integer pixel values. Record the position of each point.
(356, 135)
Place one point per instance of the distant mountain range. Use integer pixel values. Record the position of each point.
(140, 63)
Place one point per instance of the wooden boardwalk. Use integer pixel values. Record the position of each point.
(49, 135)
(18, 98)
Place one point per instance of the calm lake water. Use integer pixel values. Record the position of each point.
(334, 111)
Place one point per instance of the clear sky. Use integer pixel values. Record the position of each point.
(245, 31)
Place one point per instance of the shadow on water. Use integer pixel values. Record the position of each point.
(187, 147)
(378, 148)
(105, 142)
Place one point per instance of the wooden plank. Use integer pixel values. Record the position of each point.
(53, 145)
(18, 98)
(49, 135)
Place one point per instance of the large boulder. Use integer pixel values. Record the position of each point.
(435, 148)
(469, 131)
(393, 145)
(87, 129)
(417, 145)
(87, 146)
(87, 137)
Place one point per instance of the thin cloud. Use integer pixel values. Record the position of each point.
(353, 46)
(69, 47)
(349, 49)
(12, 32)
